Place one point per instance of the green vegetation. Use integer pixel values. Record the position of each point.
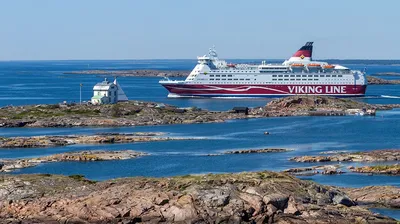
(116, 110)
(79, 177)
(53, 111)
(385, 167)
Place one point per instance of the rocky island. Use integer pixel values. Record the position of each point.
(105, 138)
(364, 156)
(135, 113)
(259, 197)
(7, 165)
(386, 155)
(378, 169)
(378, 81)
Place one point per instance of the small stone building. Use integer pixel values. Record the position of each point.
(105, 93)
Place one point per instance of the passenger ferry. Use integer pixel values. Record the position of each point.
(299, 75)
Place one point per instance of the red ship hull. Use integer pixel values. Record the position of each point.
(205, 90)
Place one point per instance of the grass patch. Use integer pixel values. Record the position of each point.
(384, 167)
(79, 177)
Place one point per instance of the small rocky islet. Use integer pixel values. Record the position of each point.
(255, 197)
(136, 113)
(102, 138)
(385, 155)
(8, 165)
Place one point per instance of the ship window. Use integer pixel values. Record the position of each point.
(309, 75)
(273, 79)
(286, 79)
(298, 75)
(304, 75)
(217, 75)
(309, 79)
(323, 76)
(241, 79)
(216, 79)
(223, 79)
(292, 75)
(280, 79)
(328, 75)
(316, 79)
(333, 75)
(304, 79)
(292, 79)
(286, 75)
(280, 75)
(235, 79)
(274, 76)
(229, 79)
(223, 75)
(247, 79)
(211, 75)
(229, 75)
(340, 75)
(211, 79)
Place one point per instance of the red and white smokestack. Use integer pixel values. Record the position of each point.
(304, 53)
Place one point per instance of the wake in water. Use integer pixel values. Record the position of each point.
(391, 97)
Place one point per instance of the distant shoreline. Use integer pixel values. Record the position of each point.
(134, 73)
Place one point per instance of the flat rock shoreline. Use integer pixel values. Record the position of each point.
(136, 113)
(7, 165)
(105, 138)
(258, 197)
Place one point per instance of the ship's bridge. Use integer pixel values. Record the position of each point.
(212, 60)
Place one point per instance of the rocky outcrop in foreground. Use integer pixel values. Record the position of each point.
(106, 138)
(375, 196)
(260, 197)
(133, 113)
(365, 156)
(7, 165)
(137, 73)
(378, 169)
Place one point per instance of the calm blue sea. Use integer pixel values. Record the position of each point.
(39, 82)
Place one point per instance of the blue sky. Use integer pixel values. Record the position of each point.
(180, 29)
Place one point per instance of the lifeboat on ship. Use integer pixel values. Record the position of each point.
(328, 68)
(314, 67)
(296, 67)
(230, 65)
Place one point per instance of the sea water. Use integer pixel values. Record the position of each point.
(43, 82)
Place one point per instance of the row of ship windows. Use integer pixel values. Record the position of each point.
(246, 71)
(307, 76)
(289, 76)
(231, 79)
